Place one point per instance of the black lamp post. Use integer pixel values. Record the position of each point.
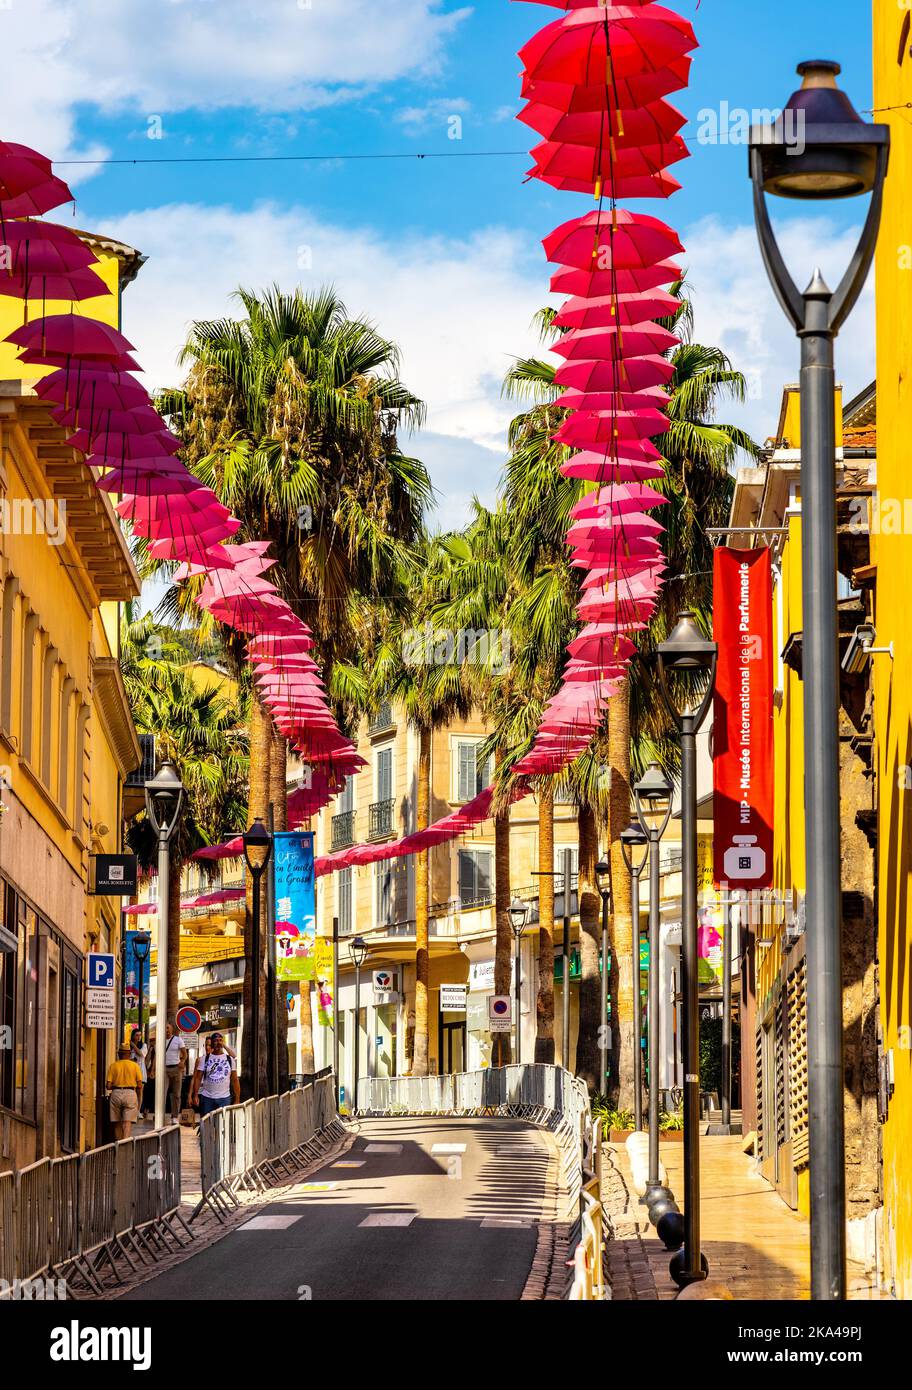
(358, 949)
(519, 914)
(635, 848)
(690, 655)
(258, 841)
(653, 800)
(603, 876)
(833, 154)
(142, 945)
(164, 798)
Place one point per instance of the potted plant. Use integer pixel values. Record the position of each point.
(671, 1125)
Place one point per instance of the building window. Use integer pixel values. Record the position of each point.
(346, 800)
(344, 891)
(68, 1096)
(475, 877)
(383, 879)
(384, 774)
(473, 775)
(19, 1006)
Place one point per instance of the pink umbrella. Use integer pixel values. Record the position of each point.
(585, 429)
(614, 239)
(120, 445)
(633, 340)
(607, 310)
(652, 398)
(619, 499)
(28, 186)
(70, 335)
(630, 524)
(599, 467)
(95, 419)
(569, 280)
(601, 375)
(92, 388)
(74, 285)
(128, 480)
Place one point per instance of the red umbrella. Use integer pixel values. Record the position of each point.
(582, 163)
(73, 285)
(613, 400)
(634, 340)
(622, 375)
(568, 280)
(647, 125)
(94, 419)
(619, 40)
(620, 428)
(618, 500)
(70, 335)
(117, 445)
(659, 185)
(28, 186)
(604, 311)
(638, 89)
(612, 239)
(43, 248)
(91, 389)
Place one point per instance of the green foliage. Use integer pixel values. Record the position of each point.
(711, 1054)
(609, 1118)
(671, 1121)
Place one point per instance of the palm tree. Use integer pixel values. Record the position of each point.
(290, 414)
(699, 452)
(200, 731)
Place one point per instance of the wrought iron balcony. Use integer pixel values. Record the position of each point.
(343, 830)
(382, 814)
(383, 721)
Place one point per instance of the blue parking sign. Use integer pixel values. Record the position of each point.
(101, 970)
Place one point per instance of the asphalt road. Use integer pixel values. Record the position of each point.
(415, 1209)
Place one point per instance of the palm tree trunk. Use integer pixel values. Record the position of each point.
(422, 904)
(175, 869)
(625, 970)
(590, 1021)
(503, 941)
(544, 1038)
(257, 807)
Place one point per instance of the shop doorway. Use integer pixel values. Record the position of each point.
(452, 1045)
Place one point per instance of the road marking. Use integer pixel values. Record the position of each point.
(317, 1186)
(496, 1222)
(348, 1163)
(389, 1218)
(269, 1223)
(448, 1149)
(383, 1149)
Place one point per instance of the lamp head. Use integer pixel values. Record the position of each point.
(141, 943)
(518, 915)
(164, 795)
(819, 147)
(359, 949)
(653, 787)
(603, 874)
(686, 649)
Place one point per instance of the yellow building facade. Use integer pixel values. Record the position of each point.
(892, 556)
(67, 743)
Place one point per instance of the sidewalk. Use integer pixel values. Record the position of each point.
(754, 1243)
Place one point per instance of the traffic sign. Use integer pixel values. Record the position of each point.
(188, 1019)
(101, 1003)
(500, 1013)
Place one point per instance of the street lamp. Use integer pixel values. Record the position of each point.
(164, 798)
(259, 841)
(689, 655)
(358, 949)
(838, 155)
(519, 914)
(142, 945)
(633, 840)
(652, 797)
(603, 877)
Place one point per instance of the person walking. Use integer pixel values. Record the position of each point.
(139, 1054)
(215, 1081)
(124, 1083)
(175, 1064)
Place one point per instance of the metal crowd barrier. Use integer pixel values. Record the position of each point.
(261, 1142)
(544, 1095)
(74, 1217)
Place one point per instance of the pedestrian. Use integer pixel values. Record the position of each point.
(138, 1054)
(215, 1081)
(125, 1084)
(175, 1064)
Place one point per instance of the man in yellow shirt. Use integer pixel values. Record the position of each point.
(125, 1083)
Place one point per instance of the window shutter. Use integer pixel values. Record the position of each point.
(466, 876)
(483, 873)
(465, 789)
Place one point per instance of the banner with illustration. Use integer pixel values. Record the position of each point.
(743, 718)
(137, 974)
(295, 904)
(325, 981)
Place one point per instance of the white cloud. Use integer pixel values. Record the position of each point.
(177, 55)
(440, 113)
(460, 311)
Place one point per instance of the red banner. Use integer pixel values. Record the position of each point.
(743, 719)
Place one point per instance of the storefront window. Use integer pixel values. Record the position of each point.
(18, 1005)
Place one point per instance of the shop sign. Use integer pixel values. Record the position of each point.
(453, 998)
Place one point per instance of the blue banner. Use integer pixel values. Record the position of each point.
(295, 904)
(133, 970)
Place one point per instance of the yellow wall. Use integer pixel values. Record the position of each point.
(893, 680)
(104, 308)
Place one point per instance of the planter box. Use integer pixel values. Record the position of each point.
(620, 1136)
(671, 1136)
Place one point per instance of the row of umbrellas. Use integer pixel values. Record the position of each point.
(595, 83)
(88, 382)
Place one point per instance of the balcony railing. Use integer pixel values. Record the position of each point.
(383, 721)
(343, 830)
(381, 819)
(146, 770)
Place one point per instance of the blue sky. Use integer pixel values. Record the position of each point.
(444, 253)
